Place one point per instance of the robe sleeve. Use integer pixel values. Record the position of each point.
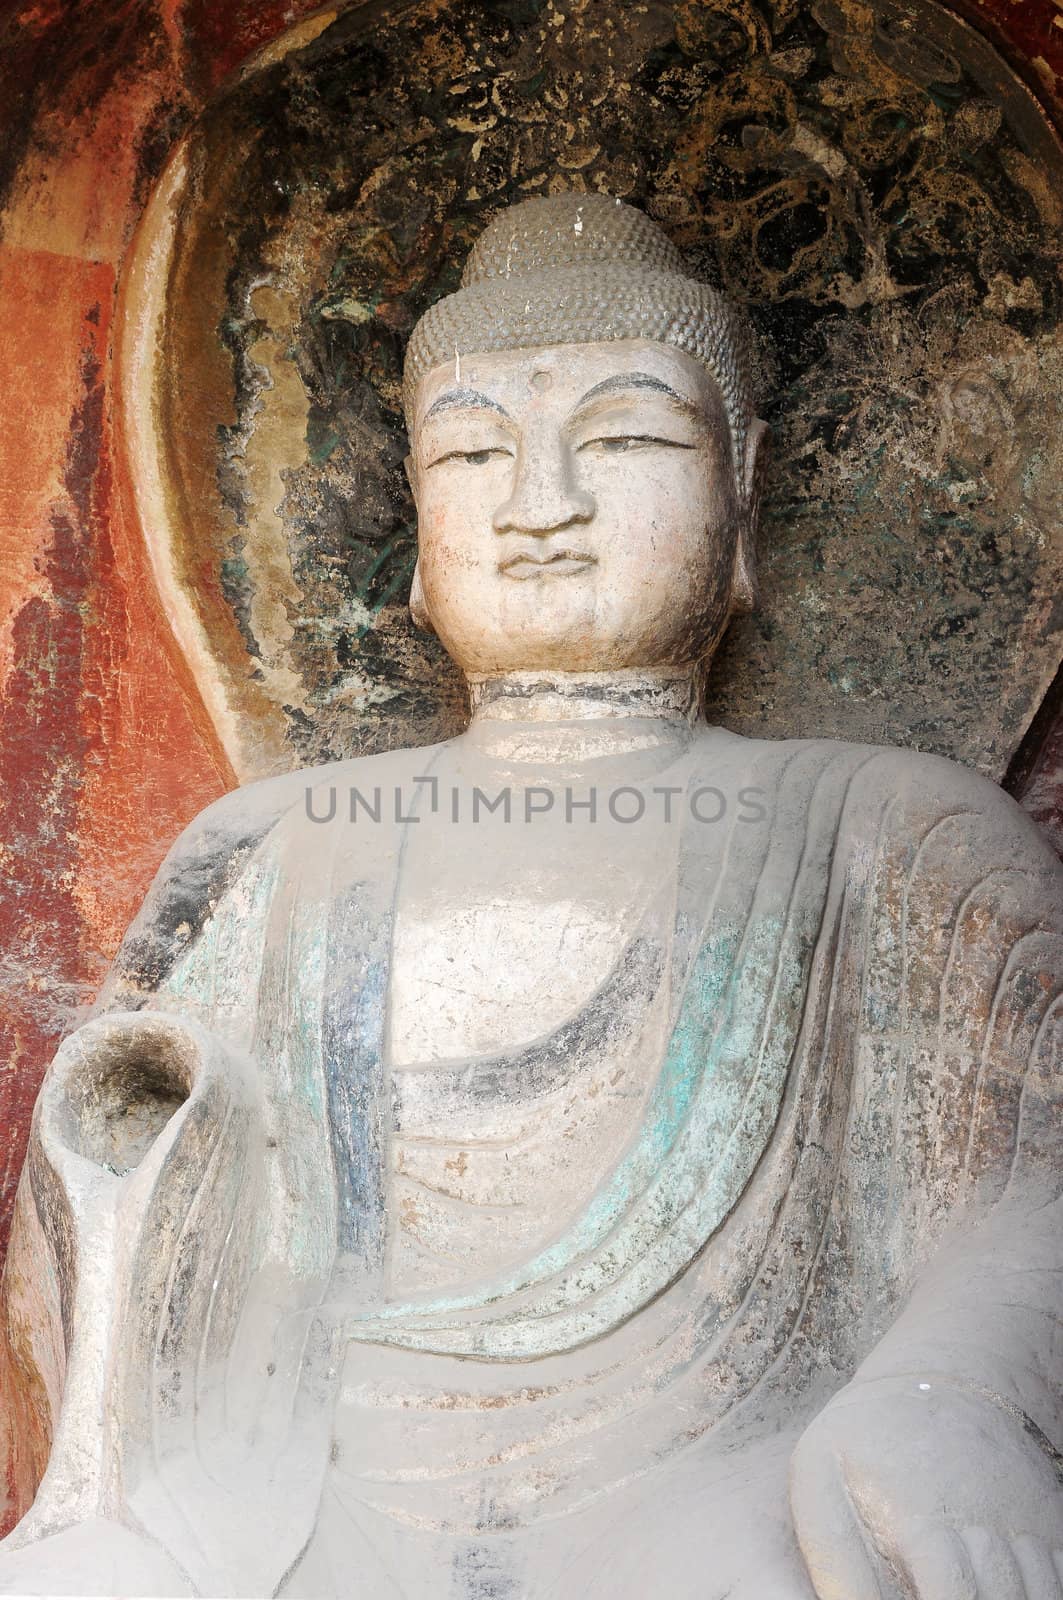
(35, 1327)
(141, 1224)
(950, 1198)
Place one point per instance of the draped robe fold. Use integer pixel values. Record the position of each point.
(865, 1020)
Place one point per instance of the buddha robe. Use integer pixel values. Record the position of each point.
(852, 989)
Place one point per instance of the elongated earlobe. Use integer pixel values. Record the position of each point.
(744, 593)
(418, 607)
(744, 583)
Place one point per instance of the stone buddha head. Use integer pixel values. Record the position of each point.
(583, 450)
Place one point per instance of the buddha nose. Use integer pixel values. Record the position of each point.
(545, 495)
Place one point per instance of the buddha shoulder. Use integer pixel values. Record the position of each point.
(932, 795)
(913, 794)
(210, 855)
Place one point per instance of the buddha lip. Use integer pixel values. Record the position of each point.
(557, 564)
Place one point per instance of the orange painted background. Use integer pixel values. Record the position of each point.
(105, 751)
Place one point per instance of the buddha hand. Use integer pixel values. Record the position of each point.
(918, 1487)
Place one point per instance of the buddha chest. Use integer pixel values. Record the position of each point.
(525, 1023)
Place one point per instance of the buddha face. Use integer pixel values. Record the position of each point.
(577, 509)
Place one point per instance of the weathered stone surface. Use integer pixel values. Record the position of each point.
(94, 101)
(572, 1199)
(107, 753)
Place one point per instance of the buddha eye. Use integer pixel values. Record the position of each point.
(618, 444)
(472, 458)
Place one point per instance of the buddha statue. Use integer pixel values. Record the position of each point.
(600, 1155)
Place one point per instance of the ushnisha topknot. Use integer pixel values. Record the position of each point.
(575, 269)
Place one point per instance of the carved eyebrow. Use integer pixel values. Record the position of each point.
(640, 380)
(464, 399)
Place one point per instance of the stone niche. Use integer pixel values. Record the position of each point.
(872, 184)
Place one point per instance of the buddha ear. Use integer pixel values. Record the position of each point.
(744, 589)
(418, 605)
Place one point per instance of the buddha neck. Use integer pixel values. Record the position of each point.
(567, 716)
